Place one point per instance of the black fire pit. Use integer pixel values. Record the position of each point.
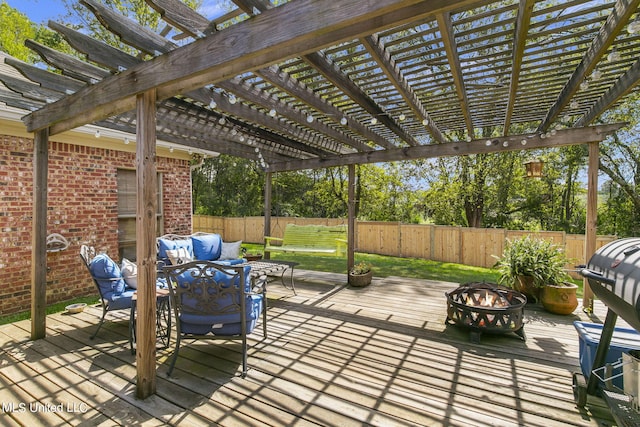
(486, 307)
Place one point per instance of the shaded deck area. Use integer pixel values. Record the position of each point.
(335, 356)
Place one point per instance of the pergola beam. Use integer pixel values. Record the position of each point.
(523, 21)
(447, 33)
(383, 58)
(230, 52)
(616, 20)
(513, 143)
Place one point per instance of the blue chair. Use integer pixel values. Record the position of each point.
(106, 274)
(209, 302)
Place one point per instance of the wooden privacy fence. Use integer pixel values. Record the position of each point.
(461, 245)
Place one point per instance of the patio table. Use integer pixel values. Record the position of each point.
(163, 319)
(268, 267)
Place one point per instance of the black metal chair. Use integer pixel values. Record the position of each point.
(209, 302)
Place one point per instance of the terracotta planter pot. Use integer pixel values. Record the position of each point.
(360, 280)
(560, 299)
(524, 284)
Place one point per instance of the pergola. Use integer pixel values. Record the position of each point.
(321, 83)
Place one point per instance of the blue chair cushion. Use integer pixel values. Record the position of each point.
(166, 244)
(224, 325)
(121, 301)
(207, 247)
(108, 275)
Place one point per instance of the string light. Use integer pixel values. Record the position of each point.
(425, 122)
(343, 121)
(613, 56)
(272, 112)
(402, 117)
(309, 118)
(98, 133)
(374, 121)
(232, 99)
(213, 104)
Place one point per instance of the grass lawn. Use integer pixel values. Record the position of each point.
(384, 266)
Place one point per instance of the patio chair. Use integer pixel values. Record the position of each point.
(107, 276)
(209, 303)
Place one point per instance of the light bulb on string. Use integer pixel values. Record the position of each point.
(343, 121)
(374, 121)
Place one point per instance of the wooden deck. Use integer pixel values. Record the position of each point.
(335, 356)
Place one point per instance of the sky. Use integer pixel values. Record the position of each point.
(41, 11)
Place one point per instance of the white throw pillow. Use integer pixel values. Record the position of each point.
(179, 256)
(230, 250)
(130, 273)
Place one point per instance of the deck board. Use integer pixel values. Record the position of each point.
(335, 356)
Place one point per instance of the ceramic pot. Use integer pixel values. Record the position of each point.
(360, 280)
(560, 299)
(524, 284)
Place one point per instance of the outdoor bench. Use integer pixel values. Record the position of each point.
(309, 239)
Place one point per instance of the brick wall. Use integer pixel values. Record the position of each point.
(82, 206)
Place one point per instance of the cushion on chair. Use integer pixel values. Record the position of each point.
(179, 256)
(130, 273)
(230, 250)
(108, 275)
(121, 301)
(207, 247)
(223, 325)
(166, 244)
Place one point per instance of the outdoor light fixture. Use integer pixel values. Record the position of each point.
(634, 26)
(374, 121)
(213, 104)
(402, 117)
(272, 112)
(343, 121)
(425, 122)
(534, 168)
(613, 56)
(232, 98)
(309, 118)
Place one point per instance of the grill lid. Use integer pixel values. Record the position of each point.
(613, 273)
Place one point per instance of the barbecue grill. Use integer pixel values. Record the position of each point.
(613, 273)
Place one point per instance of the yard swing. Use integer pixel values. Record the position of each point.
(308, 239)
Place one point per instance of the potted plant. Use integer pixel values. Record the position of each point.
(360, 274)
(530, 265)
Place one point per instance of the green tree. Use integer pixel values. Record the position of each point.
(15, 28)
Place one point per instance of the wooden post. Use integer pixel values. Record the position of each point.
(592, 218)
(147, 208)
(267, 208)
(39, 235)
(351, 222)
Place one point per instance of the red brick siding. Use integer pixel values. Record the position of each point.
(82, 206)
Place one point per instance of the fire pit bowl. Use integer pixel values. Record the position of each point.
(486, 307)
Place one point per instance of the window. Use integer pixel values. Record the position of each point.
(127, 203)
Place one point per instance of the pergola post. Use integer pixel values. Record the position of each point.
(351, 230)
(39, 235)
(146, 211)
(592, 218)
(267, 208)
